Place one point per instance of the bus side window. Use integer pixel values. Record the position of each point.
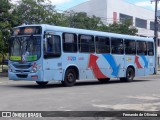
(150, 49)
(69, 42)
(130, 47)
(102, 44)
(141, 48)
(117, 46)
(86, 43)
(52, 46)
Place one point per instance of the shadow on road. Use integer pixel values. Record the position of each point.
(78, 84)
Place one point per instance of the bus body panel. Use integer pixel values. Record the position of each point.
(150, 65)
(129, 62)
(80, 61)
(119, 66)
(52, 69)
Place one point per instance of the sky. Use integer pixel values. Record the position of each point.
(63, 5)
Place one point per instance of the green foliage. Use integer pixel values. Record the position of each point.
(5, 27)
(124, 27)
(81, 20)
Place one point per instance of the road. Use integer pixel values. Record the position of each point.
(143, 94)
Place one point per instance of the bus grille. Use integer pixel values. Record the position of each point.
(22, 66)
(21, 71)
(22, 76)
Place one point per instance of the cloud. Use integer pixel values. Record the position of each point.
(147, 4)
(58, 2)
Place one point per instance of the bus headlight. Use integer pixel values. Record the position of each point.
(35, 68)
(10, 68)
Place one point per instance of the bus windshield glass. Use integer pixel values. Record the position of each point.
(25, 48)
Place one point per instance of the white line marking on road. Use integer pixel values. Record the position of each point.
(141, 107)
(144, 97)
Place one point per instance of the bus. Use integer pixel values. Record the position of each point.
(44, 53)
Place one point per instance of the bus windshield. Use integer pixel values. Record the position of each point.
(25, 48)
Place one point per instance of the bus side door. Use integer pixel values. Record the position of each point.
(117, 60)
(52, 63)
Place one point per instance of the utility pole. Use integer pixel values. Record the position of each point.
(156, 35)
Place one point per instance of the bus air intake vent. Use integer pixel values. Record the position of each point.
(22, 66)
(22, 76)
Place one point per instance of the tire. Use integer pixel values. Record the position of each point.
(129, 75)
(70, 78)
(41, 83)
(104, 80)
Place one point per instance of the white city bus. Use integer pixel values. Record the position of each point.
(44, 53)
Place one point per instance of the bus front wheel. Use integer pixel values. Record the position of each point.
(41, 83)
(70, 78)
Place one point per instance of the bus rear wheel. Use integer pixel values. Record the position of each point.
(104, 80)
(41, 83)
(70, 78)
(129, 75)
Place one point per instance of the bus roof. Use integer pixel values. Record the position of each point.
(47, 27)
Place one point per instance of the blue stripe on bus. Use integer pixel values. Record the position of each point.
(112, 63)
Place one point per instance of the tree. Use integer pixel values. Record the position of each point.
(125, 27)
(5, 26)
(81, 20)
(35, 12)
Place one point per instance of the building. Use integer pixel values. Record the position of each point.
(118, 10)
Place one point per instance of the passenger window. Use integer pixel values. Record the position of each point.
(86, 43)
(102, 44)
(141, 48)
(150, 49)
(130, 47)
(117, 46)
(69, 42)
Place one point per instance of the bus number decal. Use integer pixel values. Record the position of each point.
(71, 58)
(81, 58)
